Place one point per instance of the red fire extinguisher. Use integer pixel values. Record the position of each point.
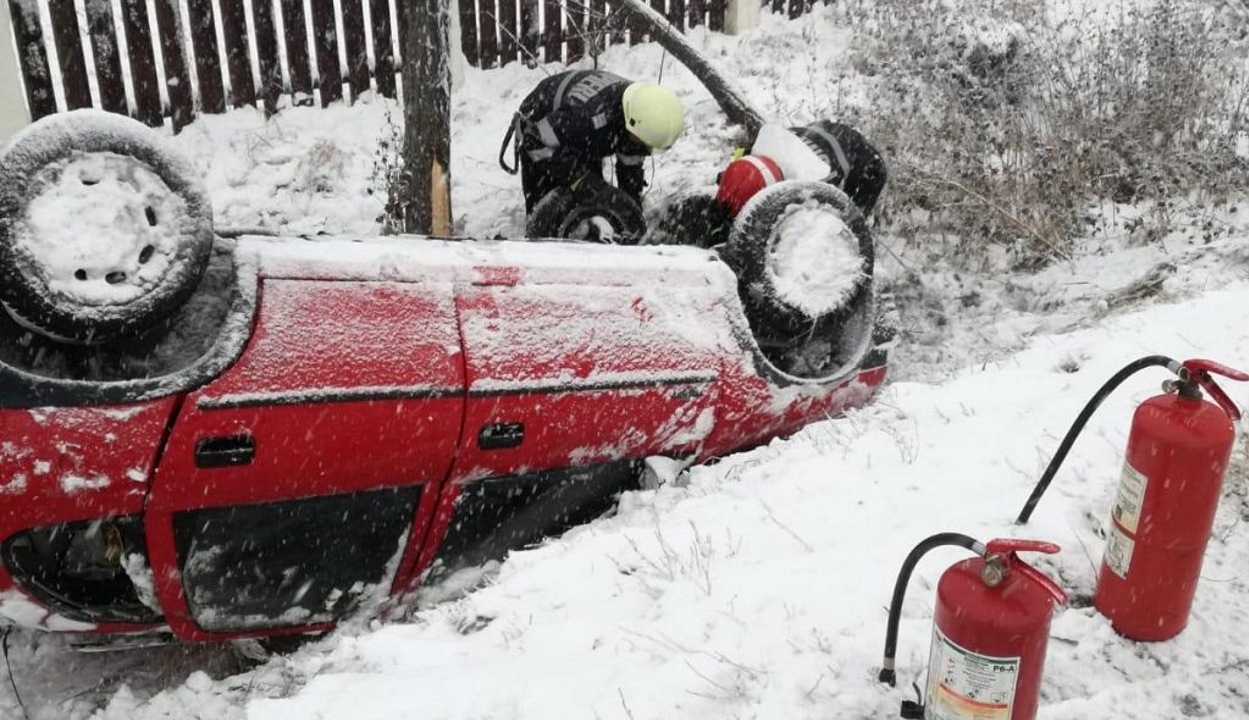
(990, 631)
(1164, 510)
(1169, 490)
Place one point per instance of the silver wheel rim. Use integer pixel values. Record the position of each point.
(101, 230)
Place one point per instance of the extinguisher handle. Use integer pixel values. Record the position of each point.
(1216, 393)
(1210, 366)
(1200, 370)
(1006, 546)
(1006, 549)
(1040, 578)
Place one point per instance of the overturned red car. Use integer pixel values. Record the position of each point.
(229, 437)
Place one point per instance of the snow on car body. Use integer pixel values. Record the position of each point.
(368, 414)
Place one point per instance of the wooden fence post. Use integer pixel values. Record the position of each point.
(356, 50)
(212, 93)
(173, 50)
(33, 57)
(69, 52)
(552, 32)
(530, 32)
(420, 201)
(487, 34)
(383, 50)
(142, 62)
(265, 29)
(741, 15)
(509, 32)
(238, 59)
(325, 40)
(298, 56)
(13, 113)
(107, 60)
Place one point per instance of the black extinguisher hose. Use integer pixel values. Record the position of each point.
(887, 674)
(1078, 426)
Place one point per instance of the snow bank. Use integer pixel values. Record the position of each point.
(758, 589)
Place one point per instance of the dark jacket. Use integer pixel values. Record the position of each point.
(857, 167)
(576, 118)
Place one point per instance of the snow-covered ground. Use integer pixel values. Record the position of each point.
(757, 586)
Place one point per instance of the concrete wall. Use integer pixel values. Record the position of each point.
(13, 114)
(741, 16)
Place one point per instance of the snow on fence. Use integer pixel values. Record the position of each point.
(167, 60)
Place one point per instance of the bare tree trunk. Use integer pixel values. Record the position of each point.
(726, 95)
(421, 198)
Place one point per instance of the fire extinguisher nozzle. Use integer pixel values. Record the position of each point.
(888, 676)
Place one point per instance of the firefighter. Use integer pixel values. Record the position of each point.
(857, 167)
(571, 121)
(852, 165)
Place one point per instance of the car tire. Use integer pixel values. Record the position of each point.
(695, 219)
(104, 228)
(803, 256)
(595, 211)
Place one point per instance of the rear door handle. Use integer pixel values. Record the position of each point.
(498, 436)
(228, 451)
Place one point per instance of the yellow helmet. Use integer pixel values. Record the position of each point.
(653, 115)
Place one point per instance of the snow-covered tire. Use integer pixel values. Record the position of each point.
(695, 219)
(104, 228)
(803, 254)
(596, 211)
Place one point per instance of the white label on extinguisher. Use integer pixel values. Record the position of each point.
(1118, 555)
(1131, 495)
(964, 685)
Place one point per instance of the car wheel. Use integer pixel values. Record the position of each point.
(802, 253)
(104, 229)
(595, 212)
(696, 219)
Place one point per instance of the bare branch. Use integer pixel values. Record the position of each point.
(730, 99)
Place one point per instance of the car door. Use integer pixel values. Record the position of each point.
(297, 485)
(575, 373)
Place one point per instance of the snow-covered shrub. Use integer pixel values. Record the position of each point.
(384, 178)
(1004, 123)
(1232, 19)
(321, 168)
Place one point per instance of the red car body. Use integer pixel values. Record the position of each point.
(374, 413)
